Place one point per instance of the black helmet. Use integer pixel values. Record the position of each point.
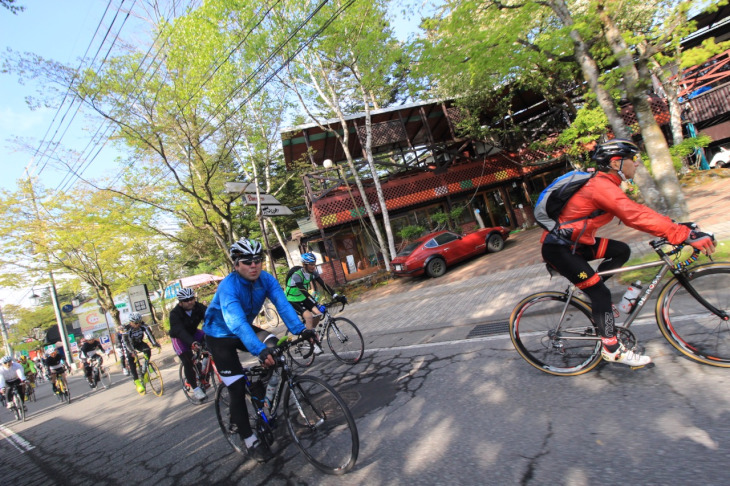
(615, 148)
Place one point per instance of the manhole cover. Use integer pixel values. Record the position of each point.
(488, 329)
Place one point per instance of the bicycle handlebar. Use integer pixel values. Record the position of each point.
(334, 303)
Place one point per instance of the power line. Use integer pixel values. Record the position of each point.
(68, 92)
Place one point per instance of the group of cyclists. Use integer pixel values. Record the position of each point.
(228, 322)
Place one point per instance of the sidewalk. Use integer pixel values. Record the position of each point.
(483, 292)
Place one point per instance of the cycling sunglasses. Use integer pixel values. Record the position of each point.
(251, 261)
(188, 300)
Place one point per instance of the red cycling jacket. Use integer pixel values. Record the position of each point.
(604, 192)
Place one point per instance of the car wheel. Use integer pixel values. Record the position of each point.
(495, 243)
(436, 268)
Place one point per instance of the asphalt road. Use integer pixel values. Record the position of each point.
(461, 412)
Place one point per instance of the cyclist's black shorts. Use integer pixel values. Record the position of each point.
(225, 352)
(306, 304)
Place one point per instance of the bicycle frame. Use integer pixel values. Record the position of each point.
(198, 358)
(667, 265)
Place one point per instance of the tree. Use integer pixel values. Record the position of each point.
(598, 43)
(181, 112)
(83, 233)
(11, 5)
(354, 65)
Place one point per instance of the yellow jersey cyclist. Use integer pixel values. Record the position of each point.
(228, 327)
(297, 292)
(56, 365)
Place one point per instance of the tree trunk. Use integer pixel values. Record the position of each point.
(591, 73)
(654, 141)
(374, 172)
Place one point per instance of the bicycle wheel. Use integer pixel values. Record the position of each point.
(65, 393)
(688, 325)
(573, 349)
(268, 317)
(18, 406)
(345, 340)
(301, 354)
(223, 413)
(30, 393)
(155, 378)
(105, 378)
(321, 425)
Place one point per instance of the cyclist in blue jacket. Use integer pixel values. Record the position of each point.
(229, 327)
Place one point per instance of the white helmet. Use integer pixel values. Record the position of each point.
(6, 359)
(89, 336)
(185, 294)
(245, 248)
(135, 317)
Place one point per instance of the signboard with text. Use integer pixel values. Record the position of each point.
(139, 299)
(276, 211)
(264, 198)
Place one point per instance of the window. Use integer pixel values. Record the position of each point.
(431, 243)
(444, 238)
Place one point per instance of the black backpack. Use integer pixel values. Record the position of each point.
(291, 272)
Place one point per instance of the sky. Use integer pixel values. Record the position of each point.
(58, 30)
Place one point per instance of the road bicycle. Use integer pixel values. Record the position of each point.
(17, 406)
(100, 374)
(317, 418)
(30, 390)
(268, 317)
(343, 338)
(149, 373)
(206, 374)
(555, 332)
(62, 392)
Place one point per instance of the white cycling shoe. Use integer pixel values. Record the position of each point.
(199, 394)
(625, 356)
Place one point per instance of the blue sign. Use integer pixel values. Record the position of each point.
(171, 290)
(104, 339)
(67, 308)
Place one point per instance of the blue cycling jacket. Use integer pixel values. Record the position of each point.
(238, 301)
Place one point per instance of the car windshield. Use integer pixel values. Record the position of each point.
(409, 248)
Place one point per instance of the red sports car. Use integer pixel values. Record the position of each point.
(433, 253)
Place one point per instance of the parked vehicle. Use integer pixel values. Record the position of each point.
(721, 159)
(434, 253)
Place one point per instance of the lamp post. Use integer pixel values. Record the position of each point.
(59, 319)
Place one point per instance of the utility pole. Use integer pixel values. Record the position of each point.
(59, 319)
(6, 338)
(54, 295)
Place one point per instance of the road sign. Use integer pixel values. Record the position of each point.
(276, 211)
(239, 187)
(71, 338)
(264, 198)
(105, 339)
(139, 299)
(67, 308)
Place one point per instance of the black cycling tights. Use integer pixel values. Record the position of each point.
(575, 267)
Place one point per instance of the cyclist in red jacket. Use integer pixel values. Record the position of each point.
(570, 247)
